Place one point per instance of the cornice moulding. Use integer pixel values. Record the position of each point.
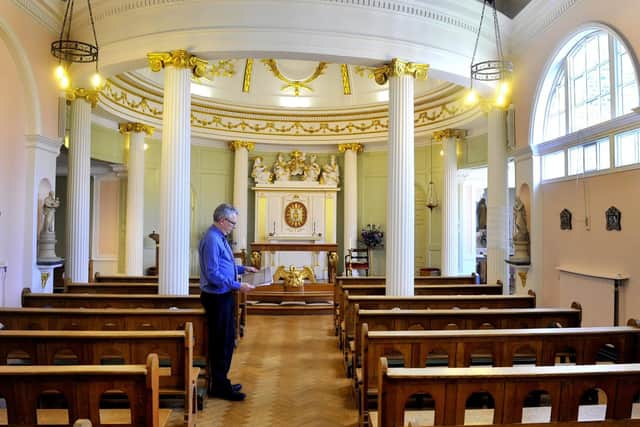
(42, 12)
(45, 143)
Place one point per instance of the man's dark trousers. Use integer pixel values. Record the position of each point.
(222, 334)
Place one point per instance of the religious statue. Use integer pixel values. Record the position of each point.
(297, 163)
(294, 278)
(330, 172)
(311, 169)
(281, 169)
(50, 204)
(520, 233)
(260, 174)
(481, 215)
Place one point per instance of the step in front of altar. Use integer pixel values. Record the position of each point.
(273, 299)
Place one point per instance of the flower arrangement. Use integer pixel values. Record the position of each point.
(372, 236)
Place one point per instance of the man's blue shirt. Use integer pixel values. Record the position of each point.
(217, 265)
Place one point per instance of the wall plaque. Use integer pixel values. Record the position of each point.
(565, 219)
(295, 214)
(613, 219)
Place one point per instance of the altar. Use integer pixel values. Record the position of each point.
(321, 254)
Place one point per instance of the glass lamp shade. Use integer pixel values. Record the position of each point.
(432, 197)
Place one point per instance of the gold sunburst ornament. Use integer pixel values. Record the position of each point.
(295, 214)
(295, 84)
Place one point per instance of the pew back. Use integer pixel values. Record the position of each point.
(120, 288)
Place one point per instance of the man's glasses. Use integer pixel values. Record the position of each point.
(230, 222)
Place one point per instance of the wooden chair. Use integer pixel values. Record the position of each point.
(357, 259)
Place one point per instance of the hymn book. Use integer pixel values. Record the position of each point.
(262, 277)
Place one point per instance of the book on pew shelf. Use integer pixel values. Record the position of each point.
(262, 277)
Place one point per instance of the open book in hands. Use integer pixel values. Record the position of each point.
(262, 277)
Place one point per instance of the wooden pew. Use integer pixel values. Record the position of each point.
(109, 300)
(82, 387)
(120, 288)
(444, 302)
(135, 279)
(174, 349)
(499, 318)
(508, 387)
(495, 347)
(379, 289)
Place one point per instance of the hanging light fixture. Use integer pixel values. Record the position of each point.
(494, 69)
(70, 51)
(432, 196)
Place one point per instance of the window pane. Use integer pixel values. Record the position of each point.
(605, 83)
(580, 117)
(626, 69)
(574, 160)
(593, 112)
(604, 46)
(593, 57)
(629, 98)
(626, 149)
(577, 61)
(553, 165)
(579, 90)
(603, 154)
(593, 86)
(590, 157)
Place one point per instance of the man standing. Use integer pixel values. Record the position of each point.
(218, 280)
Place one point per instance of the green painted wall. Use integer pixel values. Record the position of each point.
(472, 152)
(107, 144)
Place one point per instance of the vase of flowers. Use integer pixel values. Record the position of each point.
(372, 236)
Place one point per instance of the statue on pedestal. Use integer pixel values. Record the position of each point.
(260, 174)
(520, 233)
(330, 172)
(281, 169)
(47, 237)
(311, 169)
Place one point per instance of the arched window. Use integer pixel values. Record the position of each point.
(591, 79)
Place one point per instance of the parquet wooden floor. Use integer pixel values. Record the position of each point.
(291, 369)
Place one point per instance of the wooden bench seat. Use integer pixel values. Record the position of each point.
(174, 349)
(82, 388)
(121, 288)
(451, 392)
(497, 347)
(134, 279)
(499, 318)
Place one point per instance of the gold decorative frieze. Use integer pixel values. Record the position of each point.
(90, 95)
(248, 70)
(346, 81)
(360, 70)
(354, 146)
(398, 68)
(222, 68)
(439, 135)
(135, 127)
(177, 58)
(234, 145)
(296, 85)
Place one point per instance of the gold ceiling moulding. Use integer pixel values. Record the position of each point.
(248, 70)
(439, 135)
(177, 58)
(90, 95)
(222, 68)
(346, 81)
(234, 145)
(272, 65)
(135, 127)
(360, 70)
(354, 146)
(398, 68)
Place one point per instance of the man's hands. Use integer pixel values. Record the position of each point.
(246, 287)
(250, 269)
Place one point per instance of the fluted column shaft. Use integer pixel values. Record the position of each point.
(175, 190)
(400, 189)
(350, 188)
(240, 191)
(77, 256)
(450, 262)
(135, 203)
(497, 200)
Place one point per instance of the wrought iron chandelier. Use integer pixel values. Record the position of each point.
(70, 51)
(432, 196)
(493, 69)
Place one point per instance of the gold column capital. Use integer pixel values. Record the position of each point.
(177, 58)
(397, 68)
(234, 145)
(353, 146)
(129, 127)
(90, 95)
(439, 135)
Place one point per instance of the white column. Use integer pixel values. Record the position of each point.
(175, 168)
(450, 264)
(77, 256)
(134, 235)
(400, 188)
(350, 185)
(240, 191)
(497, 200)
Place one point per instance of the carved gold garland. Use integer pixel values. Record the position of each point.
(295, 84)
(397, 68)
(91, 96)
(299, 126)
(135, 127)
(248, 69)
(177, 58)
(346, 81)
(222, 68)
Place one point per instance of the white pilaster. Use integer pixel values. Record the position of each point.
(400, 190)
(41, 178)
(450, 221)
(134, 236)
(497, 200)
(77, 256)
(240, 191)
(350, 185)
